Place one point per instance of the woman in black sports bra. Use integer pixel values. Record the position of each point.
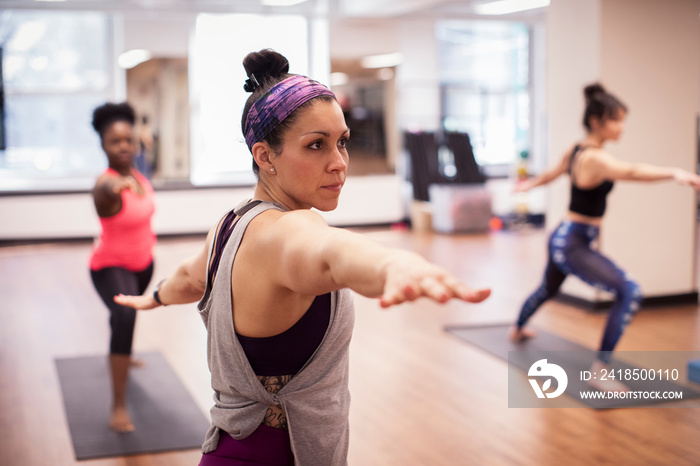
(593, 171)
(287, 261)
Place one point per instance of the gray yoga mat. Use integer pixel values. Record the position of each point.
(164, 414)
(574, 359)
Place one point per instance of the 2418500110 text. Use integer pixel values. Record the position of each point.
(631, 374)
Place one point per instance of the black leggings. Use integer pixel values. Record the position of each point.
(111, 281)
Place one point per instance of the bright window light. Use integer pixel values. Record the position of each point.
(281, 2)
(504, 7)
(133, 57)
(382, 61)
(218, 153)
(339, 79)
(27, 35)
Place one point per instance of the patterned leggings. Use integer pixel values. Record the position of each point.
(570, 253)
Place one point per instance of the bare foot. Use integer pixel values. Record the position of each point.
(519, 335)
(600, 369)
(136, 362)
(120, 421)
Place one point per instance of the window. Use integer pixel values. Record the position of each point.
(219, 153)
(53, 78)
(485, 86)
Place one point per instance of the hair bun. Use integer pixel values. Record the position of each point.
(251, 84)
(262, 65)
(109, 112)
(592, 89)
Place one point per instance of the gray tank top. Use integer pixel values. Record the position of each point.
(316, 400)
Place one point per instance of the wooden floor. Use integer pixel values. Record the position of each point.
(420, 396)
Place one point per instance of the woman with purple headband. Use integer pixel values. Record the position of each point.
(279, 318)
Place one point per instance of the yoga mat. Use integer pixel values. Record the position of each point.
(163, 412)
(574, 359)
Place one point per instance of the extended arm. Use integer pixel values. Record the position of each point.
(186, 285)
(547, 176)
(107, 194)
(301, 253)
(613, 169)
(314, 258)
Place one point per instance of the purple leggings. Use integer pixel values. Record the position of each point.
(265, 446)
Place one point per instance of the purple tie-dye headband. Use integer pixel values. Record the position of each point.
(278, 103)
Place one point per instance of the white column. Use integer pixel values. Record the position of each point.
(417, 80)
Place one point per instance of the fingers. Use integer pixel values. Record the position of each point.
(688, 178)
(695, 182)
(125, 184)
(137, 302)
(438, 288)
(476, 296)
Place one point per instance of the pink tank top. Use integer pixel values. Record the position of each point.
(127, 238)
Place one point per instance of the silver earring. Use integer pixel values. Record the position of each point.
(272, 169)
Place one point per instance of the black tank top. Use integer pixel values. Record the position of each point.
(286, 353)
(589, 202)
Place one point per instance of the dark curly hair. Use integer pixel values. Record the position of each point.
(600, 104)
(269, 68)
(106, 114)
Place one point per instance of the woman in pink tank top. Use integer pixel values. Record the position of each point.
(122, 257)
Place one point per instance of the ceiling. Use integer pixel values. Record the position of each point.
(350, 20)
(332, 8)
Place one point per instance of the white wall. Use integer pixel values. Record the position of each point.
(648, 54)
(652, 58)
(366, 200)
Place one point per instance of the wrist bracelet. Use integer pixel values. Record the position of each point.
(155, 293)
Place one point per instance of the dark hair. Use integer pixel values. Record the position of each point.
(108, 113)
(265, 69)
(600, 104)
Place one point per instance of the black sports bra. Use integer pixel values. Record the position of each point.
(589, 202)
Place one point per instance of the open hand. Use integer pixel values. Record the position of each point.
(685, 177)
(140, 303)
(128, 182)
(522, 185)
(415, 278)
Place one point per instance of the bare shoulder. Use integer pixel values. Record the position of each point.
(273, 240)
(597, 165)
(273, 226)
(595, 156)
(565, 159)
(302, 218)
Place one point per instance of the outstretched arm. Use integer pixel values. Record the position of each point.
(185, 286)
(613, 169)
(547, 176)
(314, 258)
